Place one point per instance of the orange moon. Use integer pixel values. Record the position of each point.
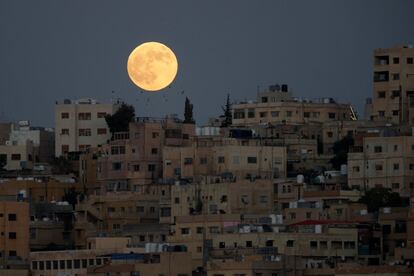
(152, 66)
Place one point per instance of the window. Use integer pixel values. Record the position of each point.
(396, 60)
(329, 134)
(323, 245)
(336, 244)
(55, 264)
(203, 160)
(288, 113)
(263, 114)
(155, 135)
(185, 231)
(140, 209)
(355, 168)
(214, 230)
(85, 132)
(65, 149)
(381, 113)
(91, 261)
(154, 151)
(48, 265)
(12, 235)
(177, 200)
(396, 93)
(395, 112)
(12, 253)
(308, 215)
(77, 264)
(34, 265)
(395, 186)
(378, 167)
(269, 243)
(116, 226)
(221, 159)
(236, 160)
(16, 156)
(250, 113)
(101, 114)
(252, 160)
(136, 168)
(84, 116)
(64, 115)
(69, 264)
(396, 166)
(381, 94)
(151, 167)
(199, 230)
(331, 115)
(12, 217)
(411, 166)
(313, 244)
(306, 114)
(249, 244)
(64, 131)
(395, 147)
(222, 245)
(290, 243)
(395, 76)
(410, 60)
(84, 263)
(239, 114)
(349, 244)
(274, 113)
(264, 199)
(188, 161)
(377, 149)
(101, 131)
(116, 166)
(292, 215)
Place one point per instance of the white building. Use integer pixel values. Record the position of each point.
(26, 146)
(81, 124)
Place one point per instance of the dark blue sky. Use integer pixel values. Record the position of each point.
(55, 49)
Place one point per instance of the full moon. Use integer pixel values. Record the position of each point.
(152, 66)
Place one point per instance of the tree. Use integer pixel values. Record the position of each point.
(188, 112)
(227, 113)
(341, 149)
(119, 121)
(381, 197)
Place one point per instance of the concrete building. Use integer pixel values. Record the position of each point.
(214, 156)
(393, 93)
(383, 162)
(25, 146)
(81, 124)
(277, 105)
(14, 226)
(133, 159)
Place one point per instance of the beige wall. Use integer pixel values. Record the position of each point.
(74, 123)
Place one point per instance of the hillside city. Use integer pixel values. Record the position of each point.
(278, 185)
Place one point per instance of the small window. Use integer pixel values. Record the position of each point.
(55, 265)
(101, 131)
(12, 217)
(12, 253)
(185, 231)
(274, 113)
(16, 156)
(12, 235)
(331, 115)
(154, 151)
(62, 264)
(252, 160)
(355, 168)
(136, 168)
(396, 60)
(188, 161)
(396, 76)
(377, 149)
(306, 114)
(381, 94)
(151, 167)
(290, 243)
(203, 160)
(410, 60)
(221, 159)
(249, 244)
(69, 264)
(155, 135)
(288, 113)
(395, 186)
(396, 166)
(222, 245)
(313, 244)
(64, 131)
(329, 134)
(101, 114)
(64, 115)
(378, 167)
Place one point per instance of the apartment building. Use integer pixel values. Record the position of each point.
(14, 226)
(26, 145)
(133, 159)
(214, 156)
(386, 162)
(220, 196)
(393, 81)
(277, 105)
(80, 124)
